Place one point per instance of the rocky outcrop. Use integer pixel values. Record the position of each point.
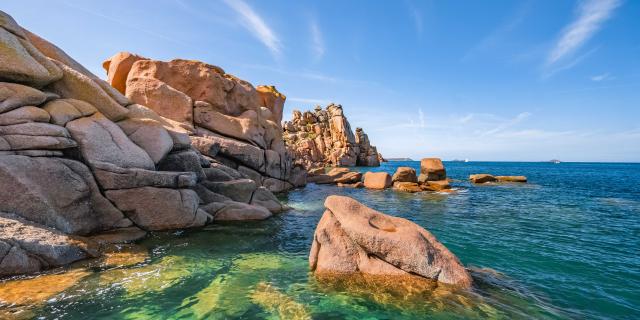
(27, 247)
(484, 178)
(323, 137)
(77, 157)
(229, 119)
(351, 238)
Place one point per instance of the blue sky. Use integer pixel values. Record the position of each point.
(485, 80)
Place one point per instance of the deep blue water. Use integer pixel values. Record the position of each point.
(565, 245)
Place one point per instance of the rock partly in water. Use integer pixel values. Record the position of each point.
(405, 174)
(521, 179)
(27, 247)
(432, 169)
(351, 238)
(407, 187)
(336, 175)
(482, 178)
(377, 180)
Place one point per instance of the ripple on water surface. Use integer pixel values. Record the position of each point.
(563, 246)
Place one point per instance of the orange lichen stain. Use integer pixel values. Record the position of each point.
(37, 290)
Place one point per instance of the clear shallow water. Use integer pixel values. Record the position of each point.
(564, 245)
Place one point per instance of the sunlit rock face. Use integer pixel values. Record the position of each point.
(218, 109)
(323, 137)
(351, 239)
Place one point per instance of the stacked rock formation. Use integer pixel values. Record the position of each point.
(351, 238)
(322, 138)
(216, 109)
(77, 157)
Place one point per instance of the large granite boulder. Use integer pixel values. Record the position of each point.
(154, 209)
(112, 177)
(79, 86)
(57, 193)
(102, 140)
(236, 211)
(336, 175)
(405, 174)
(65, 110)
(23, 63)
(35, 135)
(162, 98)
(23, 115)
(351, 238)
(273, 100)
(239, 190)
(150, 135)
(432, 169)
(27, 247)
(377, 180)
(482, 178)
(13, 96)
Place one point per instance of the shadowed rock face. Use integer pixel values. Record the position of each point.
(29, 247)
(351, 238)
(322, 138)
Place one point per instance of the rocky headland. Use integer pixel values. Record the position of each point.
(79, 157)
(164, 145)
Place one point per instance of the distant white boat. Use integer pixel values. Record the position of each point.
(555, 161)
(466, 160)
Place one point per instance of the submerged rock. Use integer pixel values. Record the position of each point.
(351, 238)
(38, 290)
(521, 179)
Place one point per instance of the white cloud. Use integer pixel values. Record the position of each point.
(317, 40)
(506, 124)
(256, 25)
(591, 15)
(417, 18)
(602, 77)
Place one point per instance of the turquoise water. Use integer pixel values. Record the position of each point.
(565, 245)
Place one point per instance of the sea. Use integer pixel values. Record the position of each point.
(565, 245)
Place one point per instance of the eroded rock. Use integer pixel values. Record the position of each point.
(351, 238)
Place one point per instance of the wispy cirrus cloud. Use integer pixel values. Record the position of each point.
(602, 77)
(251, 21)
(416, 14)
(591, 15)
(317, 44)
